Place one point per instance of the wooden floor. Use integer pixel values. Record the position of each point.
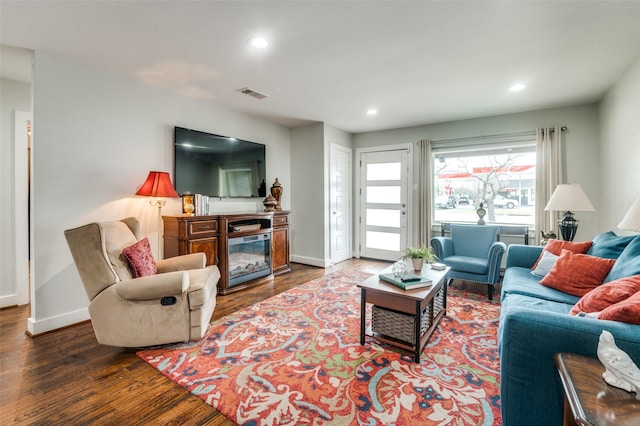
(66, 378)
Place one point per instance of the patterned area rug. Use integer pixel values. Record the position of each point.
(296, 359)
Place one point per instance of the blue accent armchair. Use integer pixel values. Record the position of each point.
(473, 252)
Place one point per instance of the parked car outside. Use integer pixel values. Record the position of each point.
(445, 202)
(463, 200)
(501, 201)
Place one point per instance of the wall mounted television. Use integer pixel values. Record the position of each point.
(218, 166)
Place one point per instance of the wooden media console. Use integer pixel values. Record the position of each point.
(240, 245)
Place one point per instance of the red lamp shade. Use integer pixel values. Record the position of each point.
(158, 184)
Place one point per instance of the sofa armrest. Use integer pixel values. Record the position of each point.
(182, 263)
(153, 287)
(529, 339)
(442, 247)
(522, 255)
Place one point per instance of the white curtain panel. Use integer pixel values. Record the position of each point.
(424, 191)
(549, 174)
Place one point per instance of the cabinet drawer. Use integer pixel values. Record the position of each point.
(280, 220)
(203, 227)
(208, 246)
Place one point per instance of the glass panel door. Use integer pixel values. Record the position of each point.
(383, 224)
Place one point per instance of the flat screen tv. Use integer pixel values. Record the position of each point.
(218, 166)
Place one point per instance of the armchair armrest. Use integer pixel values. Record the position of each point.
(442, 247)
(182, 263)
(496, 251)
(154, 287)
(523, 256)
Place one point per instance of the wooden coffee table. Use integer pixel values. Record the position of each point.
(411, 303)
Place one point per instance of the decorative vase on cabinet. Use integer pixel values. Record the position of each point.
(276, 191)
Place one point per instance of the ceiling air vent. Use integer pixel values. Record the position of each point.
(252, 92)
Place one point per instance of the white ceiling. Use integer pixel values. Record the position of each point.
(416, 62)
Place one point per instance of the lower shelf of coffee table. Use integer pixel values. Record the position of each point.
(399, 328)
(424, 338)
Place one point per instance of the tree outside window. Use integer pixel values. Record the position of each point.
(503, 182)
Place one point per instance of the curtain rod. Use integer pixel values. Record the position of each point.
(498, 137)
(523, 135)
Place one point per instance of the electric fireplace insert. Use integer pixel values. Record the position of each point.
(249, 257)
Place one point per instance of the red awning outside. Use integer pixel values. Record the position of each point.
(480, 170)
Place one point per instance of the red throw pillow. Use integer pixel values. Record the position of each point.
(627, 310)
(556, 247)
(576, 273)
(607, 294)
(140, 258)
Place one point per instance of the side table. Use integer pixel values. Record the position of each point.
(589, 400)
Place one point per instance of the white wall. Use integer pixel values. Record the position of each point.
(15, 96)
(620, 148)
(307, 195)
(97, 135)
(334, 135)
(582, 145)
(310, 175)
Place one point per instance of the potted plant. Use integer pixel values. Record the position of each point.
(419, 255)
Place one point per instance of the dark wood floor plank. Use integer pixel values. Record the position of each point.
(66, 377)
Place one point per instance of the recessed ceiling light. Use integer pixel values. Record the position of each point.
(372, 112)
(258, 42)
(517, 87)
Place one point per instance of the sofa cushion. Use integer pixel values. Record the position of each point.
(546, 262)
(519, 280)
(628, 263)
(533, 302)
(609, 245)
(606, 295)
(627, 310)
(576, 273)
(140, 258)
(556, 247)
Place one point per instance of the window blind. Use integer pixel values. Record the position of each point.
(486, 145)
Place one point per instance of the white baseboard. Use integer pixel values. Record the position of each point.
(9, 300)
(53, 323)
(321, 263)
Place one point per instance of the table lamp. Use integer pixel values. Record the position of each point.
(569, 198)
(631, 221)
(158, 185)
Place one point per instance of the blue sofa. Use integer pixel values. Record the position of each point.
(535, 325)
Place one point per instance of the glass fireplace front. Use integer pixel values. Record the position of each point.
(249, 258)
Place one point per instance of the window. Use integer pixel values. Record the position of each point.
(500, 173)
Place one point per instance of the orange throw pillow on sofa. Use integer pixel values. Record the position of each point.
(577, 274)
(607, 294)
(626, 311)
(556, 247)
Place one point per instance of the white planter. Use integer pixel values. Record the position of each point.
(417, 263)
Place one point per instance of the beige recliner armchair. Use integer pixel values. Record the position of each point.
(175, 305)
